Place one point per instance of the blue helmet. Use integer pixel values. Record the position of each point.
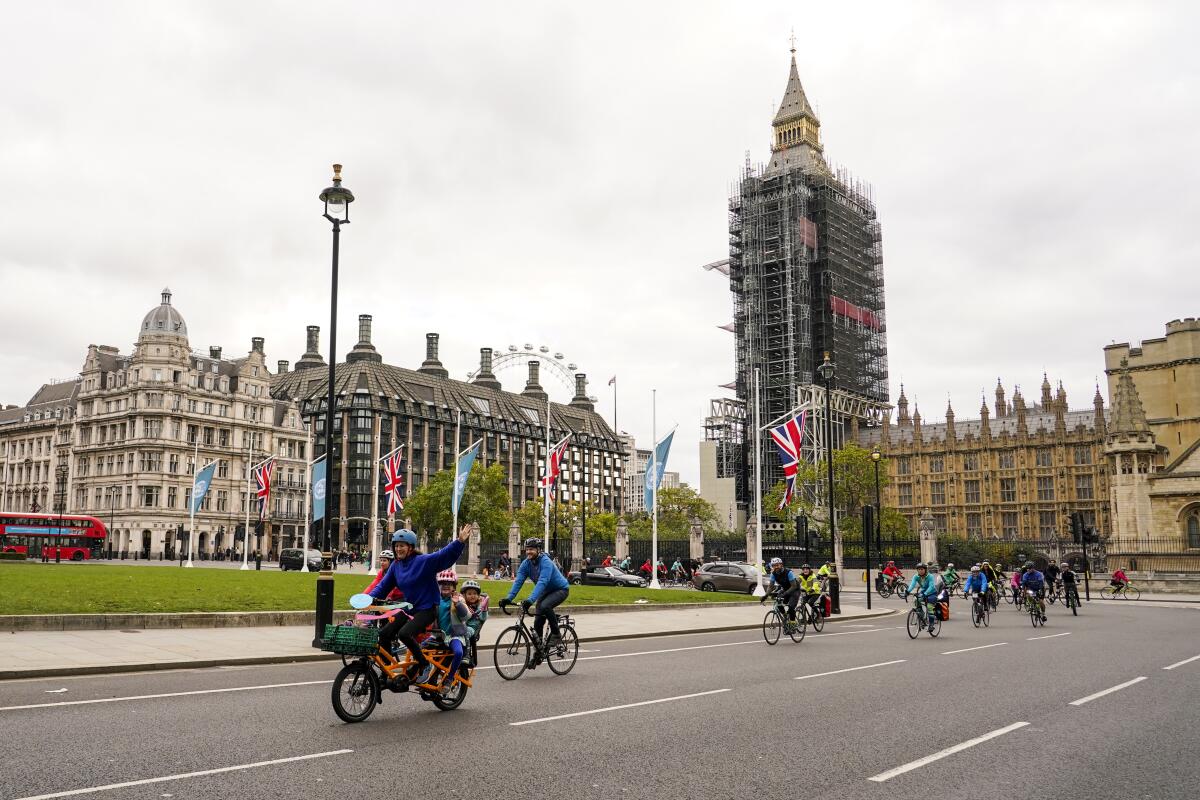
(406, 537)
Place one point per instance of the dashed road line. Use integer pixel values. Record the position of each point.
(1109, 690)
(850, 669)
(949, 751)
(618, 708)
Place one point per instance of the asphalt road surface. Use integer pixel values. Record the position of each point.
(1104, 705)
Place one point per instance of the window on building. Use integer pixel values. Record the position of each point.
(171, 496)
(937, 493)
(971, 491)
(975, 525)
(1193, 529)
(906, 496)
(1044, 457)
(173, 463)
(937, 464)
(1045, 488)
(1008, 490)
(149, 495)
(939, 523)
(1008, 460)
(1083, 454)
(1083, 487)
(971, 462)
(222, 469)
(1008, 524)
(903, 466)
(1047, 523)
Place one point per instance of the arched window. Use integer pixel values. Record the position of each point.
(1193, 528)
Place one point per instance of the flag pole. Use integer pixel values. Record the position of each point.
(454, 486)
(192, 500)
(249, 477)
(654, 584)
(759, 591)
(374, 535)
(307, 495)
(546, 496)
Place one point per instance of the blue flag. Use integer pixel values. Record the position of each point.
(200, 486)
(318, 490)
(465, 462)
(655, 470)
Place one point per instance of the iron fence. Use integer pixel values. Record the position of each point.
(1165, 554)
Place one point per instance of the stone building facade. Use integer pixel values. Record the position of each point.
(1017, 473)
(35, 446)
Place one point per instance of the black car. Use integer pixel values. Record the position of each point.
(605, 576)
(292, 558)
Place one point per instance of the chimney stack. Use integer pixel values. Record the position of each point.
(312, 350)
(364, 350)
(533, 387)
(581, 399)
(314, 339)
(256, 344)
(485, 376)
(431, 364)
(214, 353)
(283, 367)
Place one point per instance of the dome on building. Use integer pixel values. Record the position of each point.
(164, 319)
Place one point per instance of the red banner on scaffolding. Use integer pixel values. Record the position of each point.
(847, 309)
(808, 232)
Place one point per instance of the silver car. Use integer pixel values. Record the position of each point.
(726, 576)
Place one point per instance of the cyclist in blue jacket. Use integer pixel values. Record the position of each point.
(977, 582)
(1035, 582)
(550, 588)
(924, 589)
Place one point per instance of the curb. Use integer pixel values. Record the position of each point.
(113, 669)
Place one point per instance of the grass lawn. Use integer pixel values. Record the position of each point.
(34, 588)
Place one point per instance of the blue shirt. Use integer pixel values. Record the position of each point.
(545, 576)
(1033, 579)
(977, 582)
(416, 576)
(925, 586)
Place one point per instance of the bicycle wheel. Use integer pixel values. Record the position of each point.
(1107, 593)
(1007, 596)
(1052, 597)
(772, 627)
(937, 626)
(913, 624)
(452, 699)
(818, 620)
(1073, 602)
(902, 591)
(987, 616)
(355, 692)
(883, 591)
(511, 655)
(797, 630)
(1132, 593)
(976, 614)
(561, 658)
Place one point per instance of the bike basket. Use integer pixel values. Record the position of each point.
(350, 641)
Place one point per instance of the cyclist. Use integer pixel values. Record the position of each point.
(385, 560)
(923, 590)
(626, 563)
(1118, 579)
(977, 584)
(549, 590)
(950, 576)
(677, 571)
(810, 584)
(1067, 575)
(415, 574)
(893, 573)
(1035, 581)
(1017, 575)
(1051, 574)
(785, 586)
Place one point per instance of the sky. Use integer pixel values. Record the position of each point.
(557, 173)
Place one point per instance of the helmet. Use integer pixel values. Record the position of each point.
(447, 576)
(891, 563)
(388, 554)
(986, 563)
(922, 565)
(776, 562)
(471, 585)
(1028, 565)
(534, 542)
(933, 565)
(807, 567)
(404, 537)
(1064, 565)
(950, 565)
(975, 568)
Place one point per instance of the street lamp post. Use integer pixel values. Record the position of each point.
(876, 457)
(337, 200)
(112, 516)
(827, 373)
(60, 492)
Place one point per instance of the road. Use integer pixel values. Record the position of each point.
(858, 711)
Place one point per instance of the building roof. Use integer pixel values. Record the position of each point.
(795, 101)
(45, 402)
(1035, 421)
(164, 319)
(1128, 414)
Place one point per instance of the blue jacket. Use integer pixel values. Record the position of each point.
(977, 582)
(926, 587)
(543, 573)
(416, 576)
(1033, 580)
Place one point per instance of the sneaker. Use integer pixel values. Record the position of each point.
(425, 674)
(554, 640)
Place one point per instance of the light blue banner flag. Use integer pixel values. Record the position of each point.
(465, 462)
(654, 472)
(200, 486)
(318, 490)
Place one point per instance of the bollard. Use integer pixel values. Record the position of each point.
(258, 561)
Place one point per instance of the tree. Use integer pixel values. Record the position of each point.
(853, 485)
(484, 501)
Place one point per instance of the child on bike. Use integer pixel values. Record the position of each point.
(452, 614)
(477, 608)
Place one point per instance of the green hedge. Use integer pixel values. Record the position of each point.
(12, 556)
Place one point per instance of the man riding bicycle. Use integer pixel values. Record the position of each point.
(784, 586)
(549, 590)
(924, 590)
(1051, 575)
(1118, 579)
(893, 573)
(810, 585)
(1068, 577)
(1034, 581)
(976, 586)
(950, 575)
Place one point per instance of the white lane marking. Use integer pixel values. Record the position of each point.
(164, 694)
(949, 751)
(1051, 636)
(1110, 690)
(849, 669)
(969, 649)
(618, 708)
(110, 786)
(1181, 663)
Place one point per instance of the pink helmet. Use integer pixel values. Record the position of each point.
(448, 576)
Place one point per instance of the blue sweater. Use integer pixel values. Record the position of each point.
(416, 576)
(977, 582)
(543, 573)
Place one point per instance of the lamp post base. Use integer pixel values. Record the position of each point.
(324, 605)
(759, 591)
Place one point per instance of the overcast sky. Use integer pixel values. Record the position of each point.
(557, 173)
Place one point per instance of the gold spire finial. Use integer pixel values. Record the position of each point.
(337, 173)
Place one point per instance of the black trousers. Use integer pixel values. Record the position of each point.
(406, 630)
(545, 611)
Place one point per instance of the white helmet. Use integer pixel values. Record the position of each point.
(388, 554)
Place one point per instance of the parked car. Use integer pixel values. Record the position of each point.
(725, 576)
(605, 576)
(293, 558)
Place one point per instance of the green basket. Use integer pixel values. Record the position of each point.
(350, 641)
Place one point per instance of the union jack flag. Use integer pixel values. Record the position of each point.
(393, 480)
(262, 476)
(788, 438)
(554, 465)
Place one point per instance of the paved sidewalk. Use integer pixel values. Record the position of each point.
(43, 653)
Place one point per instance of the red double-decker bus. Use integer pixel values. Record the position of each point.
(74, 537)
